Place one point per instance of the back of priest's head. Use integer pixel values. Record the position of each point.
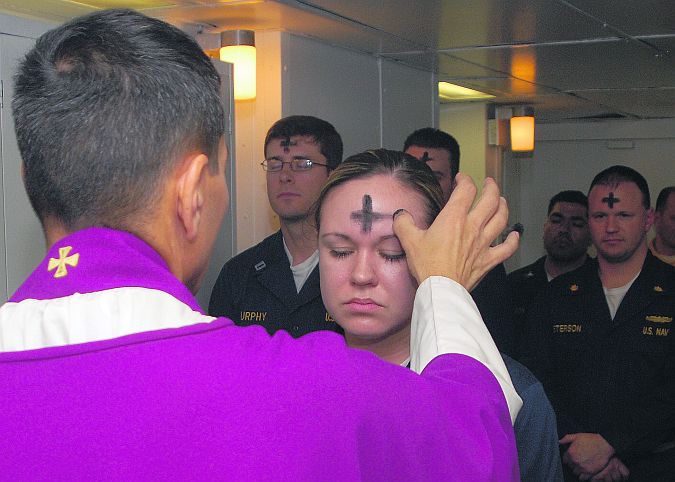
(104, 106)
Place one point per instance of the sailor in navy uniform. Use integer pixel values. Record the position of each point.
(601, 341)
(566, 239)
(276, 283)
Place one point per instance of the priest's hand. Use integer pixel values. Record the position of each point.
(458, 243)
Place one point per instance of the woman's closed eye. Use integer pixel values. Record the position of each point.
(338, 253)
(392, 257)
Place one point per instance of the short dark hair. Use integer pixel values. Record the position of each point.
(662, 200)
(576, 197)
(436, 139)
(615, 175)
(406, 169)
(323, 133)
(104, 106)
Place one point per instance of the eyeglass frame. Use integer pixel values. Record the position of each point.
(312, 163)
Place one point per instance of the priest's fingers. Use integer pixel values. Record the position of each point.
(457, 244)
(492, 214)
(410, 237)
(505, 250)
(491, 258)
(446, 248)
(461, 199)
(495, 225)
(487, 205)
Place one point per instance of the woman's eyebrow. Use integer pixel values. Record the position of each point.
(346, 237)
(337, 235)
(388, 237)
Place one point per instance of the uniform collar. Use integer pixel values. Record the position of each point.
(97, 259)
(96, 284)
(666, 259)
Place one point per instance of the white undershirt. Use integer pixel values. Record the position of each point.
(614, 296)
(302, 270)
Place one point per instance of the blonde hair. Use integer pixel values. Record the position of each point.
(406, 169)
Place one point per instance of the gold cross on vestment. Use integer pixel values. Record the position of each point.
(64, 259)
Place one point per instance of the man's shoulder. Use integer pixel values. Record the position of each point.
(243, 377)
(528, 272)
(523, 379)
(497, 273)
(670, 260)
(659, 270)
(569, 291)
(578, 281)
(536, 405)
(268, 249)
(492, 282)
(657, 280)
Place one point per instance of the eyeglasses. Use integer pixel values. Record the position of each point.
(275, 165)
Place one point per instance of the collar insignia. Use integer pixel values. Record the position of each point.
(658, 289)
(260, 266)
(659, 319)
(574, 288)
(529, 274)
(63, 261)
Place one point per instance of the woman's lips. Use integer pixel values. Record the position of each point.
(363, 305)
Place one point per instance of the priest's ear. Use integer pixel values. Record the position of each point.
(190, 190)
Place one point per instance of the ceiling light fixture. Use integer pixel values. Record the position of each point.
(238, 47)
(522, 129)
(448, 92)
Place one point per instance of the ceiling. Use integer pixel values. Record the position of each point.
(569, 59)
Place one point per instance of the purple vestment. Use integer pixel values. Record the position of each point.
(215, 401)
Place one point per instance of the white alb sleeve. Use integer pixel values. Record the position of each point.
(446, 320)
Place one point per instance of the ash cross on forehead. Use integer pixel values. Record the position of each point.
(610, 200)
(286, 143)
(366, 216)
(425, 157)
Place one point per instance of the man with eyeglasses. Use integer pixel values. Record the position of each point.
(276, 282)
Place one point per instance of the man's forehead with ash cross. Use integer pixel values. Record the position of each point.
(365, 217)
(425, 157)
(611, 200)
(287, 143)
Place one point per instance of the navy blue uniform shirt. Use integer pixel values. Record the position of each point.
(257, 287)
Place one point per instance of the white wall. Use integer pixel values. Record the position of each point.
(409, 102)
(468, 124)
(338, 85)
(569, 155)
